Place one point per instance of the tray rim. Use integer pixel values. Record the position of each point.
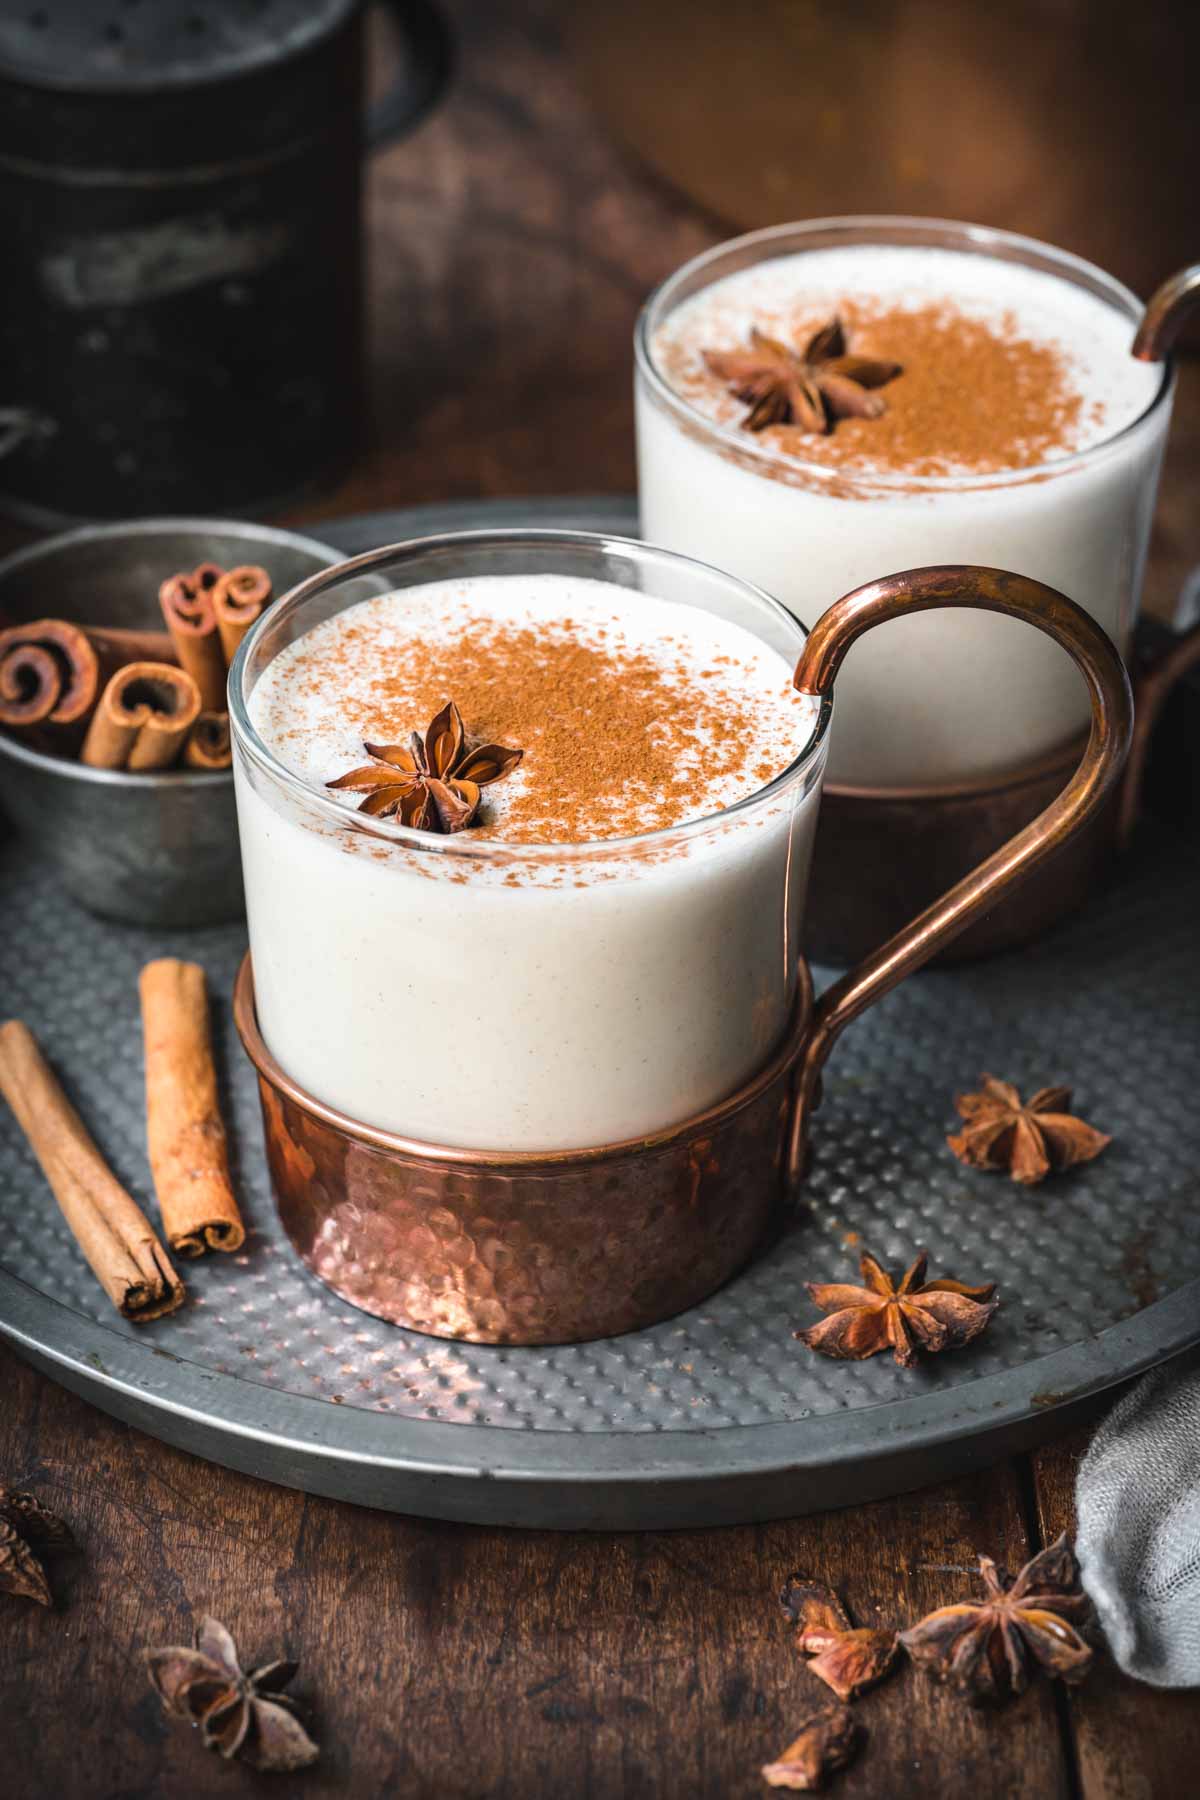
(458, 1469)
(310, 1435)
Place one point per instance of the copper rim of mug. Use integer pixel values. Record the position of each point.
(885, 231)
(446, 546)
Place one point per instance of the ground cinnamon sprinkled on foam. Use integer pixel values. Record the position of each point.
(975, 397)
(617, 741)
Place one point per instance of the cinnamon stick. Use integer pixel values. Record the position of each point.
(209, 745)
(184, 1130)
(187, 606)
(238, 599)
(58, 686)
(111, 1230)
(143, 719)
(116, 645)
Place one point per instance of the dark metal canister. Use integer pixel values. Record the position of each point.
(179, 208)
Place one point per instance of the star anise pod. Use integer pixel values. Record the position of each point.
(828, 1739)
(27, 1527)
(846, 1659)
(433, 782)
(239, 1715)
(1028, 1140)
(916, 1315)
(808, 389)
(989, 1649)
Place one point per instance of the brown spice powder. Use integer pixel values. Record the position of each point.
(616, 742)
(972, 398)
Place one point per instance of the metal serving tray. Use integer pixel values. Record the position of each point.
(718, 1415)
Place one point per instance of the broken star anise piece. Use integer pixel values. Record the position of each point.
(1029, 1140)
(808, 389)
(846, 1659)
(989, 1649)
(239, 1715)
(917, 1315)
(827, 1740)
(433, 782)
(27, 1527)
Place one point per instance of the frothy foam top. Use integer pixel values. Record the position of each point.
(634, 713)
(1005, 367)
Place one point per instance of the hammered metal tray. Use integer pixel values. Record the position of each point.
(718, 1415)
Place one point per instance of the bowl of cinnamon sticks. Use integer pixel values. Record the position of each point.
(115, 642)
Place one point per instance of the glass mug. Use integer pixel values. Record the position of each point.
(540, 1093)
(804, 531)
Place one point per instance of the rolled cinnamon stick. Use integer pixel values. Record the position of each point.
(58, 687)
(238, 598)
(209, 745)
(116, 645)
(114, 1234)
(188, 610)
(143, 719)
(184, 1131)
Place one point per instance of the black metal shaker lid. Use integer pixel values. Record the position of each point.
(99, 46)
(82, 80)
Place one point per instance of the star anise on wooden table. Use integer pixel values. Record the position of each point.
(433, 783)
(27, 1528)
(1029, 1140)
(990, 1649)
(807, 389)
(914, 1316)
(239, 1715)
(827, 1740)
(847, 1659)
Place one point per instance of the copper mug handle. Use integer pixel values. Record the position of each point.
(986, 590)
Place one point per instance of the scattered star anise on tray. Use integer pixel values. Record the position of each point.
(847, 1659)
(914, 1316)
(991, 1648)
(1029, 1140)
(807, 389)
(828, 1739)
(433, 782)
(27, 1530)
(239, 1715)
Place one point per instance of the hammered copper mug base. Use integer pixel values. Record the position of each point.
(528, 1249)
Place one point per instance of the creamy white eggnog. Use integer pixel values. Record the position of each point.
(817, 408)
(608, 943)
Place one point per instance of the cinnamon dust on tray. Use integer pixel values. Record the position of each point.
(617, 742)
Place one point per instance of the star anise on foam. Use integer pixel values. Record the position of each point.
(239, 1715)
(1029, 1140)
(808, 389)
(27, 1528)
(992, 1648)
(432, 783)
(914, 1316)
(847, 1659)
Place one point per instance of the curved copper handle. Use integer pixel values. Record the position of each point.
(1166, 312)
(988, 590)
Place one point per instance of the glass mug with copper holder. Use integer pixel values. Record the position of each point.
(525, 1093)
(917, 793)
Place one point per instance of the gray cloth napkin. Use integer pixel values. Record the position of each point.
(1137, 1501)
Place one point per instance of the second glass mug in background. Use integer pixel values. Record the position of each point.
(541, 1093)
(915, 793)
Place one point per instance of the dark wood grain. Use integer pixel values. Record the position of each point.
(1131, 1742)
(457, 1661)
(511, 246)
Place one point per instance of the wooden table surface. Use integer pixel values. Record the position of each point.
(458, 1661)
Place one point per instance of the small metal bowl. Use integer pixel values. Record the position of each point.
(152, 849)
